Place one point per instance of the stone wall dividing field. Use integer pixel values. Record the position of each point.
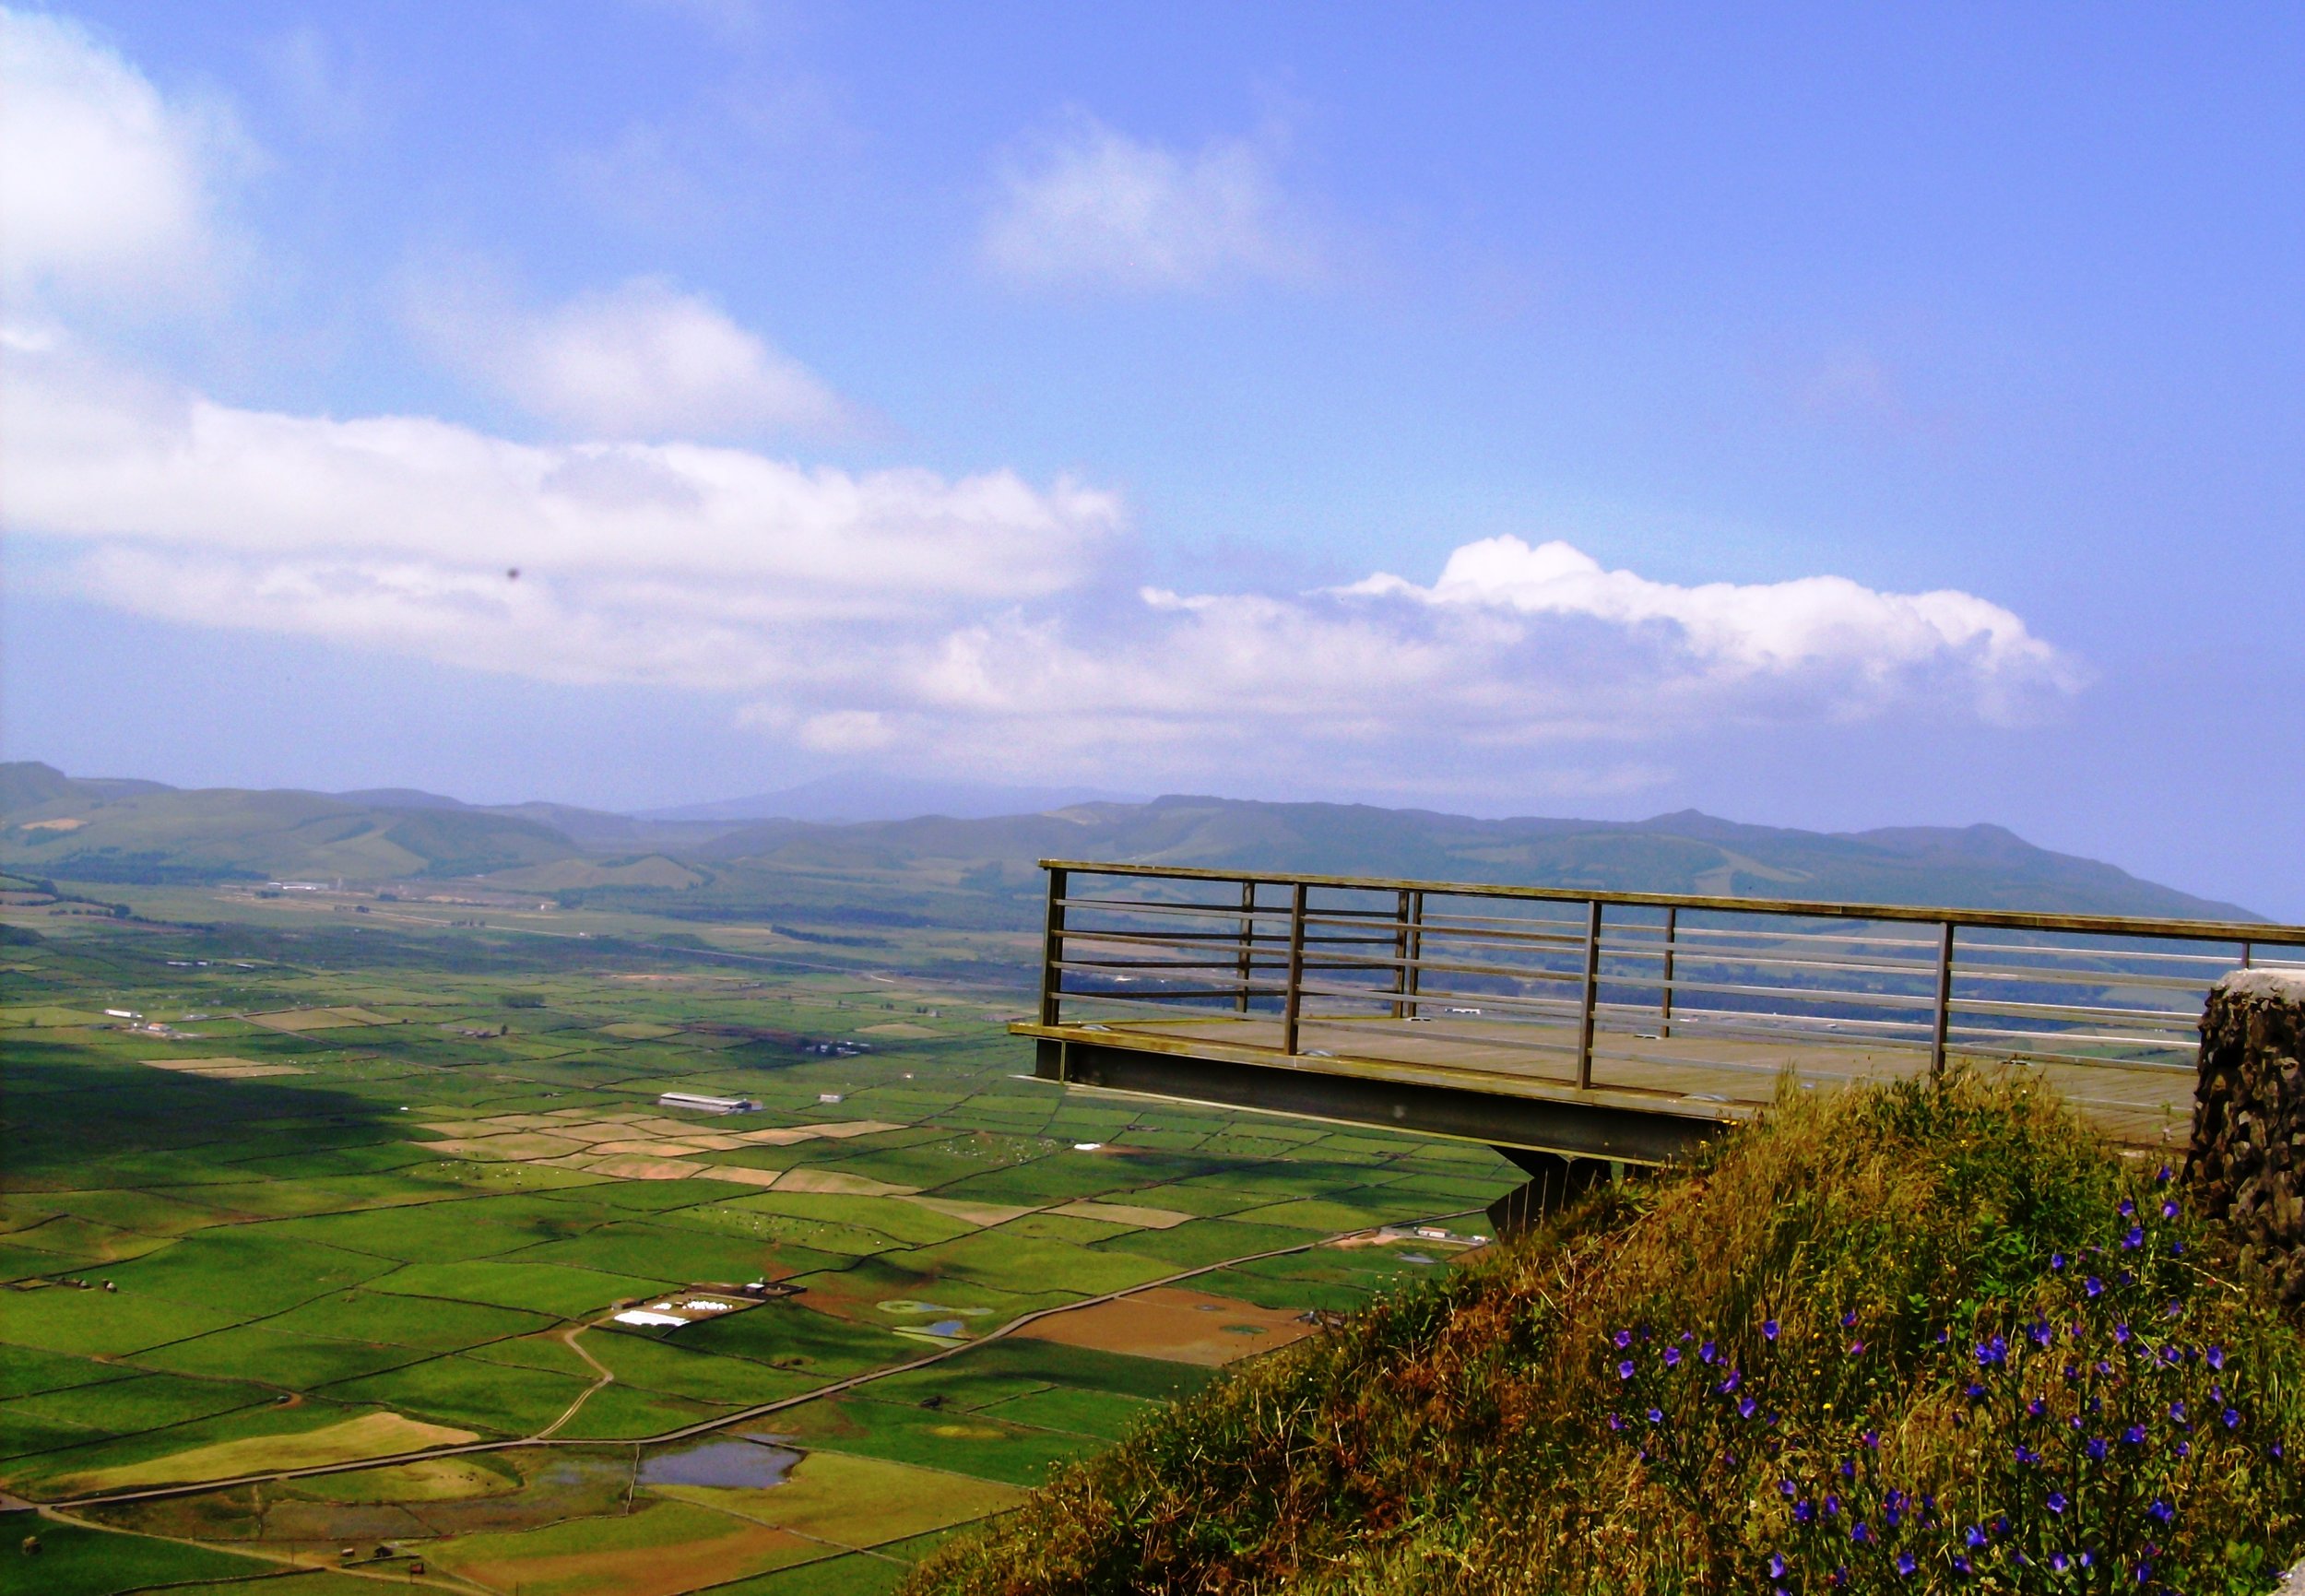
(2246, 1162)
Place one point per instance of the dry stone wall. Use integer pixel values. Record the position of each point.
(2247, 1163)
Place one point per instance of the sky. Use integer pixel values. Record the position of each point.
(1820, 416)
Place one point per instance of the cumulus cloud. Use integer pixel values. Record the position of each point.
(1092, 206)
(640, 360)
(107, 189)
(975, 623)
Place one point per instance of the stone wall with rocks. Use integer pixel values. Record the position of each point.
(2247, 1163)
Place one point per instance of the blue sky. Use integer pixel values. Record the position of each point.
(1831, 416)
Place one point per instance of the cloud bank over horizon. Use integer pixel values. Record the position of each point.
(979, 623)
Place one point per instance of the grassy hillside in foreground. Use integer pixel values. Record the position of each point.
(1907, 1339)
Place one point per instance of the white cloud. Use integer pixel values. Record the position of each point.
(107, 188)
(972, 624)
(1744, 631)
(641, 360)
(1093, 205)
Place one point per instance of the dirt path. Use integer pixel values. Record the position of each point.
(705, 1426)
(400, 1577)
(567, 1337)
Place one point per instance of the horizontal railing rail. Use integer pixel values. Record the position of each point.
(1639, 991)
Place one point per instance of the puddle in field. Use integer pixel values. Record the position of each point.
(947, 1327)
(744, 1464)
(1415, 1257)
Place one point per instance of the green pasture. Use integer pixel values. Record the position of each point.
(623, 1413)
(546, 1288)
(788, 1335)
(277, 1357)
(1100, 1414)
(431, 1323)
(465, 1392)
(849, 1574)
(963, 1443)
(1206, 1241)
(676, 1367)
(26, 1370)
(298, 1234)
(995, 1258)
(75, 1561)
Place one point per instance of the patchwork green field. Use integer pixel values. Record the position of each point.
(355, 1291)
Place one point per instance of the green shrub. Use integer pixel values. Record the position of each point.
(1884, 1308)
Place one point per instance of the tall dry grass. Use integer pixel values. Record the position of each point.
(1857, 1348)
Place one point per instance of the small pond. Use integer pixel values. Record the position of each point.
(742, 1464)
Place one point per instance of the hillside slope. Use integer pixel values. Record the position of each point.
(99, 831)
(1906, 1338)
(969, 872)
(1976, 866)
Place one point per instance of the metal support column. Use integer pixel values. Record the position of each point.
(1247, 962)
(1945, 1000)
(1415, 971)
(1400, 953)
(1293, 999)
(1593, 996)
(1664, 1006)
(1052, 947)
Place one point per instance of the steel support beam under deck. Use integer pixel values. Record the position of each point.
(1570, 1124)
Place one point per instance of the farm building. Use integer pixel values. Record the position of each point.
(701, 1104)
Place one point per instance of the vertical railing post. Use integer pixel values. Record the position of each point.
(1664, 1006)
(1415, 968)
(1247, 961)
(1400, 953)
(1943, 1018)
(1052, 947)
(1593, 996)
(1292, 1001)
(2248, 951)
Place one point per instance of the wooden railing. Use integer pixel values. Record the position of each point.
(1606, 988)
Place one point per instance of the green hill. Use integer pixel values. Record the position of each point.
(53, 826)
(938, 870)
(1976, 866)
(1903, 1339)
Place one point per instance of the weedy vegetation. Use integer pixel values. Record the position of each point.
(1911, 1337)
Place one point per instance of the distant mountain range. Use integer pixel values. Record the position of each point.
(715, 861)
(866, 795)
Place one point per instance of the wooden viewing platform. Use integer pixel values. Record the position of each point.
(1561, 1024)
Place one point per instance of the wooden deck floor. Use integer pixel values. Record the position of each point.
(2144, 1106)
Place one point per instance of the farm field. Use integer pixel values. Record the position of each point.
(368, 1200)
